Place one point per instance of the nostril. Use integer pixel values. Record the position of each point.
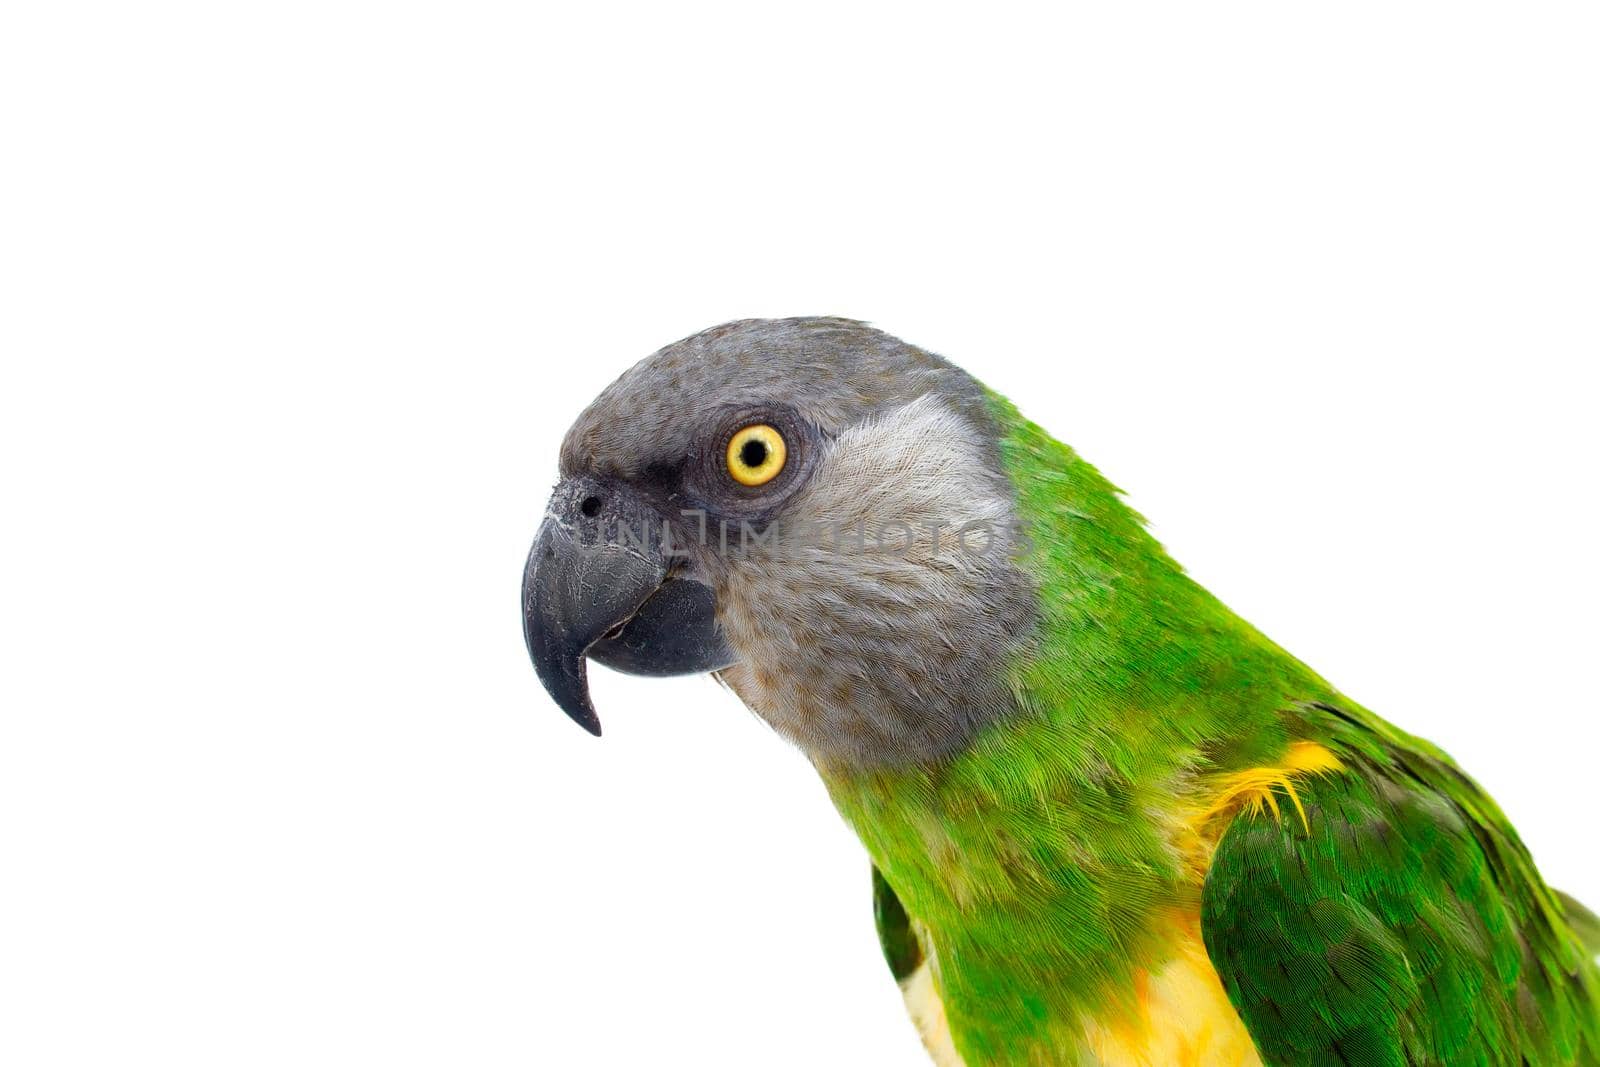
(590, 506)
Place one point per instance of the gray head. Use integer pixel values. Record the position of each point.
(809, 506)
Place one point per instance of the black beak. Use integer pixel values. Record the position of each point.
(599, 583)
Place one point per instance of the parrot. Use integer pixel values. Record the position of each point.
(1109, 821)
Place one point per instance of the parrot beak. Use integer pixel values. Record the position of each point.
(599, 584)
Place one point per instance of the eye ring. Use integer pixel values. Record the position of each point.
(756, 455)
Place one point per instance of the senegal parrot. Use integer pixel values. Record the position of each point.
(1109, 821)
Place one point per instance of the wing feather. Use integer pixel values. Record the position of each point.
(1402, 923)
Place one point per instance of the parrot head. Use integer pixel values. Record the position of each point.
(809, 507)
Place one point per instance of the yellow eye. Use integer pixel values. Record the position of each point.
(756, 455)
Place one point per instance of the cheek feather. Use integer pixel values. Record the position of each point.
(887, 644)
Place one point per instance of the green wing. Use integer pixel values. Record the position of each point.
(1402, 923)
(901, 949)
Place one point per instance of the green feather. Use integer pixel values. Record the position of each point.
(1404, 924)
(901, 949)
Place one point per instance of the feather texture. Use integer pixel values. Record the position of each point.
(1176, 788)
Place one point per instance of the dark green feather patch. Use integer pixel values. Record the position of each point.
(1406, 926)
(900, 946)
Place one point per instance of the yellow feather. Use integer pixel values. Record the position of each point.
(1183, 1019)
(1255, 789)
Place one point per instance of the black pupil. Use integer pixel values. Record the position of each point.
(753, 454)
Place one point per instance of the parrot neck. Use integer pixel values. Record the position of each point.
(1053, 858)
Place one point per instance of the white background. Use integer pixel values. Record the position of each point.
(299, 298)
